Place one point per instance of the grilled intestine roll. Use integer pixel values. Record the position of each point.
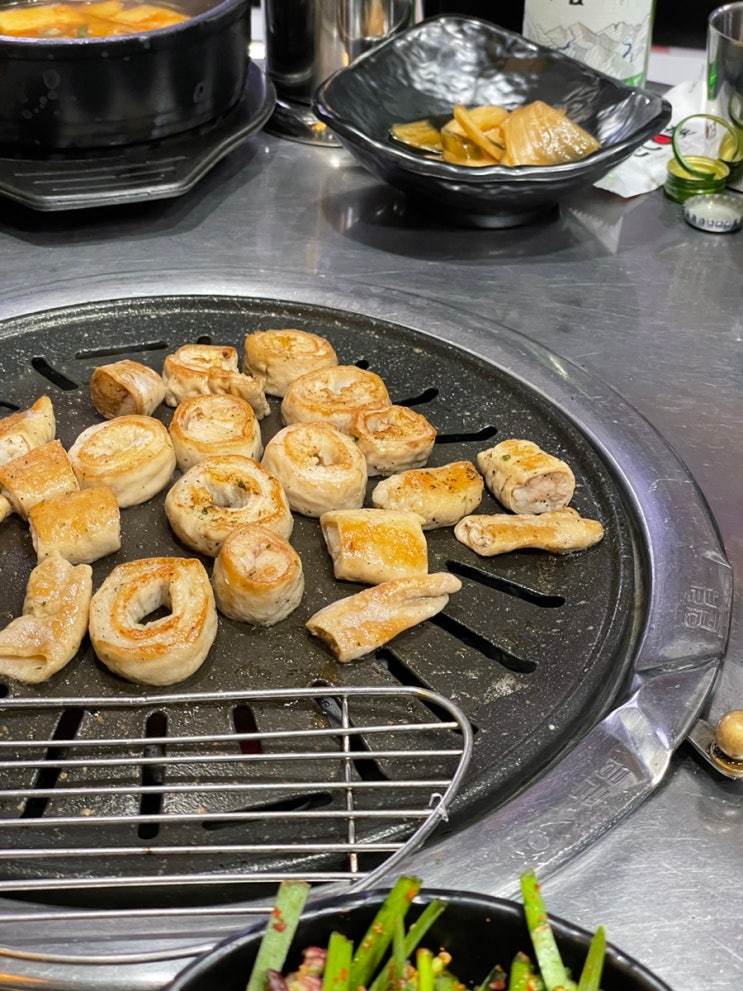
(319, 467)
(442, 496)
(133, 455)
(394, 438)
(126, 387)
(162, 651)
(201, 369)
(23, 431)
(333, 395)
(81, 526)
(560, 531)
(203, 426)
(375, 545)
(44, 472)
(281, 356)
(525, 479)
(222, 493)
(47, 636)
(257, 576)
(360, 623)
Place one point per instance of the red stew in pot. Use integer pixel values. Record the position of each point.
(79, 19)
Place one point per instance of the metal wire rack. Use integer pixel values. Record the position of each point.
(97, 825)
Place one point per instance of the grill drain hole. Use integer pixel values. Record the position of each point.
(204, 339)
(244, 722)
(153, 775)
(42, 366)
(506, 586)
(366, 767)
(47, 777)
(126, 349)
(427, 396)
(400, 671)
(488, 649)
(10, 406)
(476, 436)
(294, 803)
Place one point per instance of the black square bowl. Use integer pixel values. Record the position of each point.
(425, 70)
(479, 931)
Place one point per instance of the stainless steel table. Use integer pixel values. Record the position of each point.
(624, 289)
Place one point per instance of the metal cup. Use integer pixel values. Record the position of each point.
(308, 40)
(725, 80)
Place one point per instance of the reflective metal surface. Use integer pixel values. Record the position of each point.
(625, 289)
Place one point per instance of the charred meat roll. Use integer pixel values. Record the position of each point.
(157, 651)
(257, 576)
(221, 493)
(375, 545)
(47, 636)
(319, 467)
(200, 369)
(44, 472)
(133, 455)
(203, 426)
(334, 396)
(281, 356)
(392, 439)
(23, 431)
(360, 623)
(560, 531)
(126, 387)
(442, 496)
(525, 479)
(81, 526)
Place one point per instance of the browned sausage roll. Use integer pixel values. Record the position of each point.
(524, 478)
(560, 531)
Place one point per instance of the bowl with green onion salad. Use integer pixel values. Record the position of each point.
(409, 938)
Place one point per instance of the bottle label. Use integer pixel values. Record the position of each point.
(612, 36)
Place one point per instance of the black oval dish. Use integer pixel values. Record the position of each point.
(477, 930)
(72, 93)
(424, 71)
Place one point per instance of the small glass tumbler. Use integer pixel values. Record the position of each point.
(725, 81)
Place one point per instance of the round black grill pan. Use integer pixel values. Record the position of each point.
(533, 649)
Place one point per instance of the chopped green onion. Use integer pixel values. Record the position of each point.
(521, 974)
(424, 965)
(277, 938)
(337, 973)
(548, 956)
(378, 936)
(590, 977)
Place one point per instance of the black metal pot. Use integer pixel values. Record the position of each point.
(67, 93)
(477, 930)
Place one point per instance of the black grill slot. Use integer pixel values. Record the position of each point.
(120, 349)
(504, 585)
(47, 777)
(153, 775)
(54, 375)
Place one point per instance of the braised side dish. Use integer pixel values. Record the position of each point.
(85, 20)
(534, 134)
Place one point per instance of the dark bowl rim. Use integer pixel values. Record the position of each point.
(9, 42)
(436, 169)
(346, 903)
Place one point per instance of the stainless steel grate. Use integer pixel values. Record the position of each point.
(335, 801)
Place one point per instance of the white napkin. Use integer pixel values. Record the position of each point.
(645, 170)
